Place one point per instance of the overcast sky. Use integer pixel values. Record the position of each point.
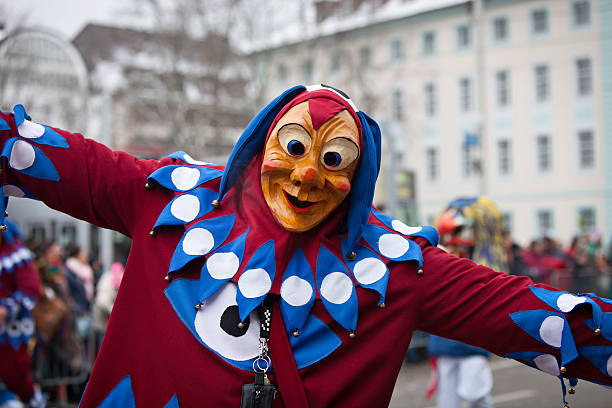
(65, 16)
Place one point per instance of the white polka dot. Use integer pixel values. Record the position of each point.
(198, 241)
(14, 329)
(13, 191)
(22, 155)
(223, 265)
(336, 288)
(392, 245)
(6, 262)
(27, 327)
(188, 159)
(185, 178)
(567, 302)
(369, 270)
(15, 257)
(551, 330)
(254, 283)
(403, 228)
(185, 207)
(609, 366)
(547, 363)
(31, 130)
(296, 291)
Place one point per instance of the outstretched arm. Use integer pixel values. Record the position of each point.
(555, 331)
(72, 174)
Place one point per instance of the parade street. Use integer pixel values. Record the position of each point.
(515, 385)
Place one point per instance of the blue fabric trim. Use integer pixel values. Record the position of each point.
(210, 285)
(372, 235)
(364, 180)
(295, 316)
(163, 176)
(219, 228)
(605, 325)
(205, 197)
(344, 313)
(551, 297)
(50, 137)
(173, 403)
(121, 396)
(362, 253)
(4, 125)
(427, 232)
(315, 342)
(42, 168)
(462, 202)
(263, 258)
(253, 139)
(531, 321)
(600, 357)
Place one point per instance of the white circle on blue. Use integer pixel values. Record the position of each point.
(30, 130)
(567, 302)
(27, 327)
(392, 245)
(185, 178)
(336, 288)
(254, 283)
(223, 265)
(609, 365)
(551, 330)
(22, 155)
(198, 241)
(296, 291)
(369, 270)
(185, 207)
(403, 228)
(547, 363)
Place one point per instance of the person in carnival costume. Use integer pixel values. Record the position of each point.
(469, 228)
(19, 290)
(286, 230)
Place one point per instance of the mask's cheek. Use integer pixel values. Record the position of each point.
(340, 184)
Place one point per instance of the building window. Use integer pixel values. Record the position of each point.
(429, 43)
(539, 21)
(307, 71)
(396, 50)
(502, 80)
(397, 105)
(586, 149)
(335, 63)
(431, 163)
(365, 57)
(500, 29)
(505, 158)
(282, 73)
(464, 37)
(584, 78)
(544, 223)
(465, 95)
(544, 153)
(468, 159)
(430, 99)
(586, 219)
(581, 13)
(542, 83)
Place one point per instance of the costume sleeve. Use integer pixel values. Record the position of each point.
(72, 174)
(563, 334)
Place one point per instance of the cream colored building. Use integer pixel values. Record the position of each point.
(546, 126)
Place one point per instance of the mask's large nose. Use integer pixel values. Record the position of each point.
(307, 176)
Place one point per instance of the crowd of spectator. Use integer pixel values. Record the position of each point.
(80, 296)
(584, 266)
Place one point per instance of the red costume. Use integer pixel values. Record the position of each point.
(347, 293)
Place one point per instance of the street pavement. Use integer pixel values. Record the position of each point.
(515, 386)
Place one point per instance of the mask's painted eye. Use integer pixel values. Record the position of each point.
(338, 153)
(294, 139)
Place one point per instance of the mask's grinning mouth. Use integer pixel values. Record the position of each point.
(298, 205)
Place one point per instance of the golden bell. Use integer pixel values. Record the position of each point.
(571, 390)
(3, 228)
(147, 185)
(152, 233)
(352, 334)
(241, 325)
(382, 305)
(198, 306)
(296, 333)
(167, 278)
(563, 370)
(598, 331)
(352, 256)
(215, 203)
(420, 272)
